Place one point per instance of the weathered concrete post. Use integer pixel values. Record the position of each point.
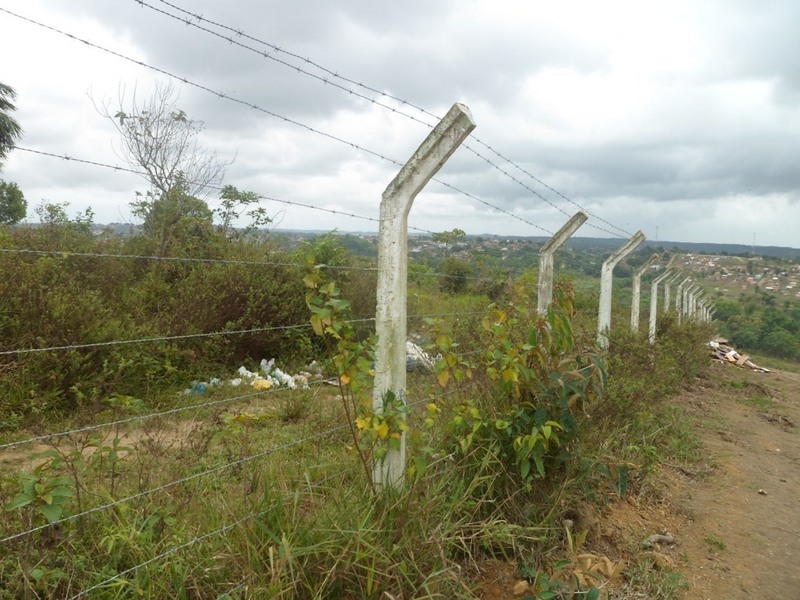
(693, 297)
(637, 291)
(688, 292)
(545, 294)
(651, 333)
(390, 317)
(606, 286)
(679, 297)
(667, 286)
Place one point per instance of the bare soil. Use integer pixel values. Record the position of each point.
(734, 514)
(742, 534)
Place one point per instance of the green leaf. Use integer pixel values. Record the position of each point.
(525, 468)
(537, 458)
(37, 574)
(51, 512)
(593, 594)
(19, 501)
(62, 492)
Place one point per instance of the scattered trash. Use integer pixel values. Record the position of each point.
(417, 359)
(723, 352)
(269, 377)
(762, 492)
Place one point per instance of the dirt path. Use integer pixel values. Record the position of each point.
(741, 537)
(734, 514)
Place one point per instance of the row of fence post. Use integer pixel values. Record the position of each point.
(390, 356)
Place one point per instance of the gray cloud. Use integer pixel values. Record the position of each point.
(634, 113)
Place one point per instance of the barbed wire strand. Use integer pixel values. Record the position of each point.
(172, 484)
(167, 338)
(70, 253)
(205, 185)
(135, 418)
(247, 104)
(222, 261)
(192, 542)
(381, 93)
(267, 56)
(194, 476)
(170, 338)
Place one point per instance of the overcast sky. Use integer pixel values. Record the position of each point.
(678, 118)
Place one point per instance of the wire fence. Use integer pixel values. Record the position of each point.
(300, 439)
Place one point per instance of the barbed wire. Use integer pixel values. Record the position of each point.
(223, 261)
(171, 484)
(555, 191)
(69, 253)
(247, 104)
(193, 541)
(199, 406)
(135, 418)
(166, 338)
(206, 185)
(194, 476)
(335, 75)
(267, 56)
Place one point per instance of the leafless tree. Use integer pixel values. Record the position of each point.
(161, 139)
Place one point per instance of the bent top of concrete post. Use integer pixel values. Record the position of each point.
(429, 157)
(624, 250)
(663, 276)
(566, 231)
(640, 271)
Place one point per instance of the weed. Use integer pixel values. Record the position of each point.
(714, 543)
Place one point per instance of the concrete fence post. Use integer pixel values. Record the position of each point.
(679, 297)
(390, 316)
(688, 293)
(667, 287)
(607, 283)
(651, 334)
(545, 293)
(637, 291)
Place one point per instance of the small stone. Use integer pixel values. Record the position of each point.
(521, 588)
(762, 492)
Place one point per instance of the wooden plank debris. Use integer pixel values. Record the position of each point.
(722, 352)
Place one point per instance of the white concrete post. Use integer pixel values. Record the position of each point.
(679, 297)
(688, 292)
(545, 294)
(637, 291)
(667, 286)
(693, 296)
(654, 304)
(390, 317)
(606, 286)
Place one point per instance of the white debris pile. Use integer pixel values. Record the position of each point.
(269, 377)
(417, 358)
